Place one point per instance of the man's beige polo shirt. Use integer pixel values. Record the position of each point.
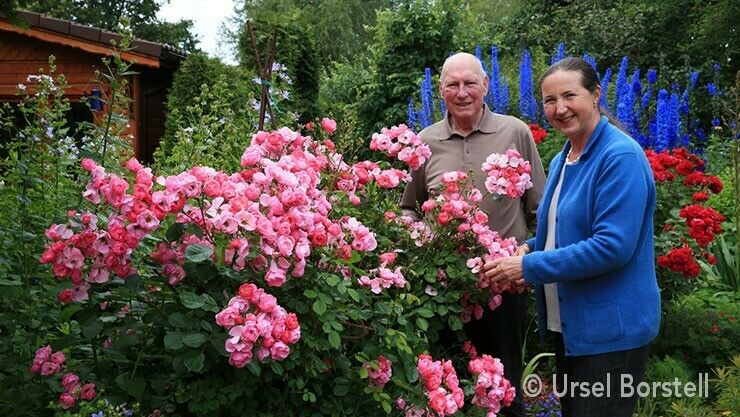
(452, 152)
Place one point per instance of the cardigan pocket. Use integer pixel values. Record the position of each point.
(603, 322)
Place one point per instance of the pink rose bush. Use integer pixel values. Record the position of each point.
(349, 277)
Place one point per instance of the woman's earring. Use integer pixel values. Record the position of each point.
(594, 103)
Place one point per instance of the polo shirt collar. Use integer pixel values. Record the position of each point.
(487, 124)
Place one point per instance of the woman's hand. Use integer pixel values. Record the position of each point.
(506, 269)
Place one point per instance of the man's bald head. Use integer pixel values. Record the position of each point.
(462, 60)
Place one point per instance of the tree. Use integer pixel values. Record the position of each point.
(408, 38)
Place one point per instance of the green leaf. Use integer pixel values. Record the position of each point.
(173, 340)
(135, 386)
(454, 322)
(332, 280)
(354, 294)
(319, 307)
(341, 390)
(422, 323)
(198, 253)
(191, 300)
(425, 312)
(204, 271)
(92, 330)
(179, 320)
(69, 311)
(309, 396)
(254, 368)
(11, 283)
(194, 340)
(209, 304)
(194, 360)
(175, 232)
(310, 294)
(134, 283)
(334, 340)
(386, 407)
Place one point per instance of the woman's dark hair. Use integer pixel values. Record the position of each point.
(589, 81)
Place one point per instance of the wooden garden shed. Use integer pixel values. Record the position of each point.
(78, 50)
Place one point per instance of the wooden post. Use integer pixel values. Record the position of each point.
(265, 73)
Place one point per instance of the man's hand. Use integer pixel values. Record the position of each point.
(506, 269)
(522, 250)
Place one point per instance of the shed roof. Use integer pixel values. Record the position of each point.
(92, 39)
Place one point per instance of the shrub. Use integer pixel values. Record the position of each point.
(700, 328)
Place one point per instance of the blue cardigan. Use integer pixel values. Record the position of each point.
(603, 261)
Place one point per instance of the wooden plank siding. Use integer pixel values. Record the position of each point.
(78, 51)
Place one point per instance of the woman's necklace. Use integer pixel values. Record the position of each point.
(570, 157)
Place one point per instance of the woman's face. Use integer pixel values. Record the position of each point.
(569, 107)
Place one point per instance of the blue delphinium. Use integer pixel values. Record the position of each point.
(502, 106)
(559, 53)
(411, 115)
(636, 92)
(652, 76)
(497, 86)
(605, 79)
(527, 103)
(493, 80)
(662, 124)
(675, 121)
(588, 58)
(647, 96)
(427, 111)
(713, 90)
(442, 108)
(479, 55)
(693, 79)
(625, 109)
(621, 86)
(683, 106)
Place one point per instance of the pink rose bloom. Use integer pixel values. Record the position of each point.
(388, 258)
(279, 351)
(42, 353)
(49, 368)
(87, 392)
(328, 125)
(70, 382)
(267, 303)
(67, 401)
(400, 403)
(240, 359)
(133, 165)
(88, 164)
(437, 401)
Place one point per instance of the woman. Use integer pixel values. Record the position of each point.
(591, 261)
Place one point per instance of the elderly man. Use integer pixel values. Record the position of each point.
(461, 142)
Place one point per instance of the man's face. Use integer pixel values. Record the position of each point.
(463, 88)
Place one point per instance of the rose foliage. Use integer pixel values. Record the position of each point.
(291, 287)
